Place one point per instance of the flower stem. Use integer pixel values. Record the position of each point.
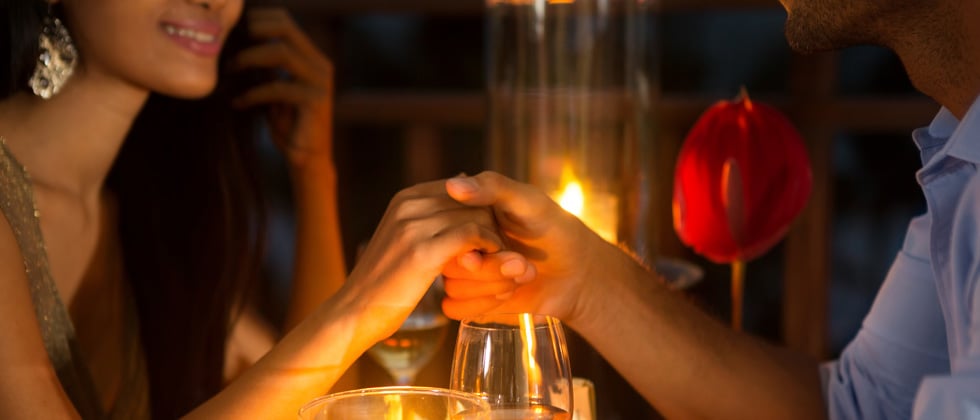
(738, 288)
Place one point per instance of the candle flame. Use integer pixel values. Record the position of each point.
(597, 211)
(572, 199)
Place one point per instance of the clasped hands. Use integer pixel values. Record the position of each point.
(501, 246)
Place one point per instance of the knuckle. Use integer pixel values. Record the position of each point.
(408, 229)
(492, 180)
(471, 231)
(401, 196)
(411, 207)
(419, 254)
(490, 176)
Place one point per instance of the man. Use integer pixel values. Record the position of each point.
(918, 352)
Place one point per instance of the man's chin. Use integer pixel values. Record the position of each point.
(808, 40)
(807, 47)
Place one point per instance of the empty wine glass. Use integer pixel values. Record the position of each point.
(410, 348)
(518, 363)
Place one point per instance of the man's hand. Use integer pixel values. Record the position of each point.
(567, 259)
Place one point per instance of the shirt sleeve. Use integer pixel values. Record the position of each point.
(957, 394)
(901, 341)
(949, 397)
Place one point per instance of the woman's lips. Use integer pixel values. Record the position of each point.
(202, 38)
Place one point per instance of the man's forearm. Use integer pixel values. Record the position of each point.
(685, 363)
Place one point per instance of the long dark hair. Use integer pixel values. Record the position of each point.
(18, 43)
(191, 219)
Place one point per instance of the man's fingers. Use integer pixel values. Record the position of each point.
(466, 308)
(515, 200)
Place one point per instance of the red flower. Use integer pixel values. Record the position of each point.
(742, 176)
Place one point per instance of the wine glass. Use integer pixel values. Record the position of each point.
(396, 403)
(410, 348)
(518, 363)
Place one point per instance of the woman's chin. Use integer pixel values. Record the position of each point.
(189, 93)
(188, 89)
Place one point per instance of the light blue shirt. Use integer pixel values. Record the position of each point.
(917, 354)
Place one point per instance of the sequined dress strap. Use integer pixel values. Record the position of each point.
(17, 205)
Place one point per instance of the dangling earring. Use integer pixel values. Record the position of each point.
(55, 60)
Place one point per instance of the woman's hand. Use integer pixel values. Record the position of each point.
(422, 230)
(300, 103)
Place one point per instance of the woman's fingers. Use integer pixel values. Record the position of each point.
(279, 92)
(419, 218)
(307, 86)
(288, 48)
(276, 23)
(287, 57)
(461, 238)
(423, 206)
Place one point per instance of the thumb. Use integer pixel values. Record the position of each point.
(516, 200)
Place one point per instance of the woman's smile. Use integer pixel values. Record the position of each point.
(198, 36)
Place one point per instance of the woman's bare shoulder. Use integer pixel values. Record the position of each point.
(28, 383)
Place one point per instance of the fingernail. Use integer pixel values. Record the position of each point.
(505, 296)
(512, 268)
(529, 273)
(464, 185)
(471, 261)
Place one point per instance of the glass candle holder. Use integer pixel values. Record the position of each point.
(569, 89)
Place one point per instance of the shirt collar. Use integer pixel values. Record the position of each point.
(964, 142)
(948, 136)
(930, 139)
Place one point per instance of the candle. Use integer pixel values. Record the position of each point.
(598, 210)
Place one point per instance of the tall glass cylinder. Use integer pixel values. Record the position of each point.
(570, 95)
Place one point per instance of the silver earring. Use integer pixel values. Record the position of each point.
(55, 60)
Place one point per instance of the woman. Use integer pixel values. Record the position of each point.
(140, 214)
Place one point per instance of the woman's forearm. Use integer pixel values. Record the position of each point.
(303, 366)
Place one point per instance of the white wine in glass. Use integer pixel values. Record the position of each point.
(410, 348)
(518, 363)
(396, 403)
